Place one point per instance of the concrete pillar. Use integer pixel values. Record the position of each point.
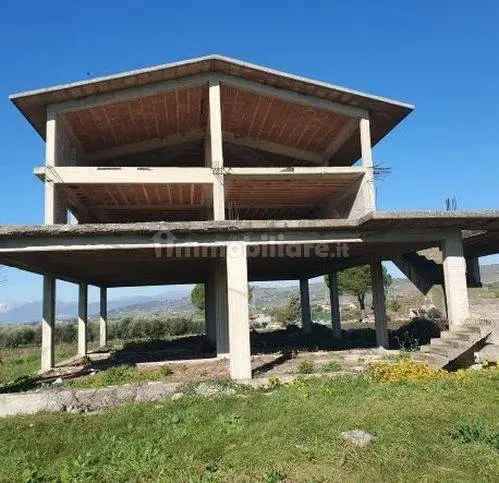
(210, 310)
(378, 289)
(103, 317)
(82, 319)
(335, 304)
(238, 312)
(214, 149)
(54, 206)
(306, 316)
(456, 290)
(220, 310)
(48, 323)
(365, 199)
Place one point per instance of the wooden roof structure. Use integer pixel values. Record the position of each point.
(246, 113)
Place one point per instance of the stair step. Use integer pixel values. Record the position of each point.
(436, 349)
(462, 335)
(435, 361)
(452, 343)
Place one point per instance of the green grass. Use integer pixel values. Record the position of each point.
(120, 375)
(425, 432)
(25, 361)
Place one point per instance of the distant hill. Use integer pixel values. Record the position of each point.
(178, 300)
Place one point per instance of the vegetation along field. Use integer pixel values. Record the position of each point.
(428, 427)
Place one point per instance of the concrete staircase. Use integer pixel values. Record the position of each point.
(452, 345)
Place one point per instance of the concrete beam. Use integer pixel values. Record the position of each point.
(345, 133)
(131, 93)
(355, 172)
(103, 317)
(456, 290)
(335, 304)
(306, 316)
(293, 97)
(275, 148)
(82, 319)
(125, 175)
(237, 310)
(379, 303)
(143, 146)
(48, 323)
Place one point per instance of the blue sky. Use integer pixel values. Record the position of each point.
(441, 56)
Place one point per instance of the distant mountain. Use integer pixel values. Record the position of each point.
(178, 299)
(490, 273)
(32, 311)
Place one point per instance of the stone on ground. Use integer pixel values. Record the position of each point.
(358, 437)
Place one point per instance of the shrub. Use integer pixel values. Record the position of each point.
(476, 431)
(403, 369)
(331, 366)
(306, 367)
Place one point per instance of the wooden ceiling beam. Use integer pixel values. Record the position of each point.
(345, 133)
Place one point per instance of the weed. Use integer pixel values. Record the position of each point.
(331, 366)
(306, 367)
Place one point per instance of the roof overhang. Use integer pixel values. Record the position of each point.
(385, 113)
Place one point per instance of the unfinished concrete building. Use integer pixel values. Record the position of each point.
(220, 172)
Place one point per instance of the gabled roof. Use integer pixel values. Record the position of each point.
(385, 113)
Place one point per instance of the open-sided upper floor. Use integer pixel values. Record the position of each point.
(208, 138)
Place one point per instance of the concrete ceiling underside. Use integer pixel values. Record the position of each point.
(246, 198)
(137, 267)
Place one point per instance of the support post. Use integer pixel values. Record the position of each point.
(335, 304)
(220, 301)
(456, 290)
(48, 323)
(306, 316)
(365, 200)
(103, 317)
(214, 149)
(210, 315)
(82, 319)
(237, 311)
(379, 303)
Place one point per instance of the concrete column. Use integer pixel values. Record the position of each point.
(220, 310)
(103, 317)
(306, 316)
(82, 319)
(237, 311)
(48, 323)
(365, 200)
(54, 206)
(214, 150)
(378, 289)
(210, 310)
(456, 290)
(335, 304)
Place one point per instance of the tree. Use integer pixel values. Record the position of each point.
(289, 313)
(197, 295)
(356, 281)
